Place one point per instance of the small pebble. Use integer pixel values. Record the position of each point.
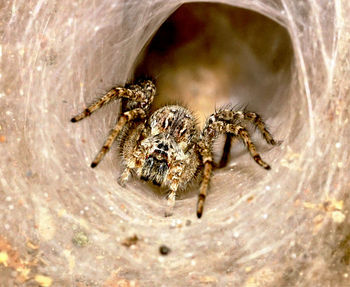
(43, 281)
(164, 250)
(80, 239)
(130, 241)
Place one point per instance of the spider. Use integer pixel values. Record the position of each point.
(166, 147)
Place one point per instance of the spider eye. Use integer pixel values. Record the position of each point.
(211, 119)
(163, 146)
(183, 132)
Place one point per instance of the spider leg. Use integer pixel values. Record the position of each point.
(205, 147)
(129, 151)
(242, 132)
(227, 147)
(124, 177)
(171, 198)
(208, 166)
(222, 122)
(178, 174)
(142, 92)
(111, 95)
(254, 118)
(174, 180)
(137, 113)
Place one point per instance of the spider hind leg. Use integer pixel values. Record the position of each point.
(256, 120)
(242, 133)
(236, 116)
(230, 123)
(227, 148)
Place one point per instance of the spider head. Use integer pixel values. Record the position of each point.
(161, 151)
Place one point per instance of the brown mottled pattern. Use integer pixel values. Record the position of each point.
(166, 148)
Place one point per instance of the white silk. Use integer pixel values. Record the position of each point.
(284, 227)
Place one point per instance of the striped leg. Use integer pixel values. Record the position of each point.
(244, 135)
(124, 118)
(208, 166)
(226, 122)
(232, 116)
(227, 147)
(142, 92)
(174, 178)
(111, 95)
(256, 119)
(124, 177)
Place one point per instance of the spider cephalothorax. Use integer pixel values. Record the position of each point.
(164, 150)
(166, 147)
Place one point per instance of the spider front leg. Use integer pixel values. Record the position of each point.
(208, 167)
(124, 177)
(171, 198)
(173, 181)
(109, 96)
(124, 118)
(131, 152)
(143, 92)
(140, 95)
(205, 146)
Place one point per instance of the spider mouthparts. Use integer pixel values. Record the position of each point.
(154, 170)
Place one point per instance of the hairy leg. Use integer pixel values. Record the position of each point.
(129, 150)
(258, 122)
(142, 92)
(223, 122)
(254, 118)
(124, 118)
(242, 132)
(208, 166)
